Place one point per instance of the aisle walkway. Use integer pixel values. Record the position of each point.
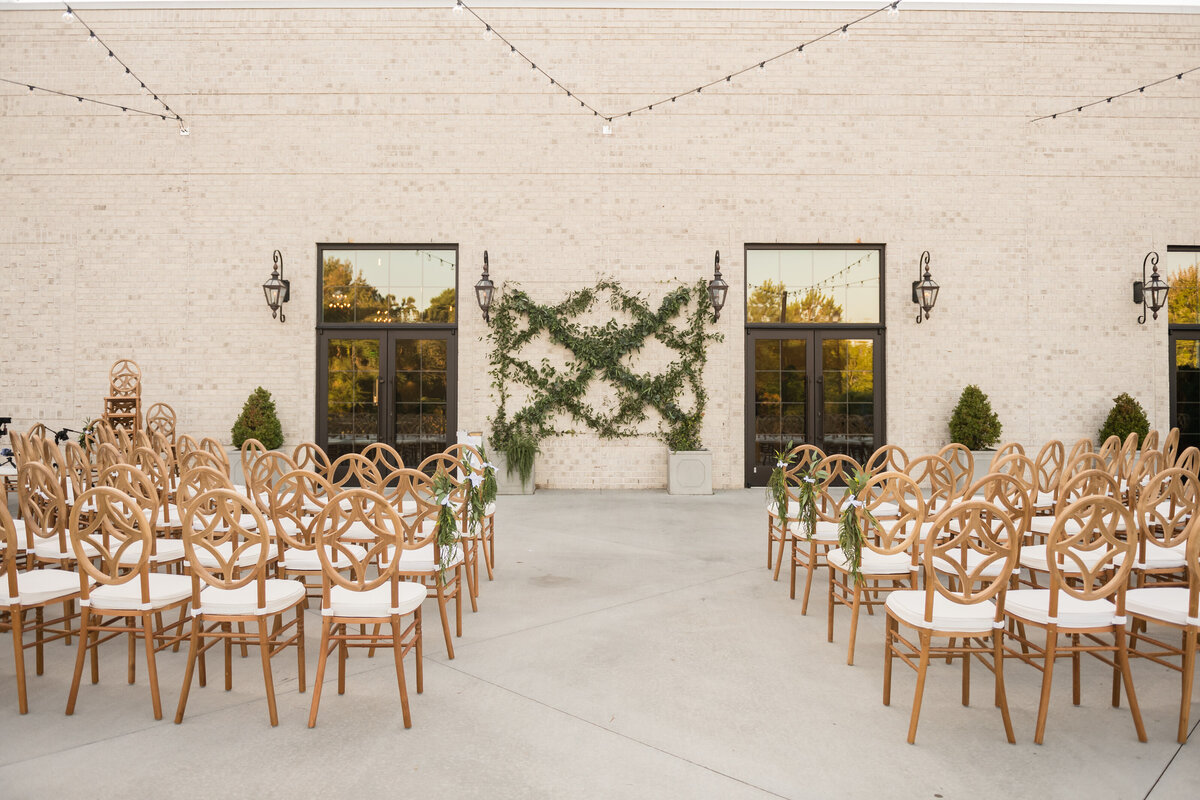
(632, 646)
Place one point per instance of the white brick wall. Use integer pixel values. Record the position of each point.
(120, 238)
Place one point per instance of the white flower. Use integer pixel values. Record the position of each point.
(807, 479)
(781, 464)
(476, 479)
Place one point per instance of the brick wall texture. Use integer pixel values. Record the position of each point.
(119, 237)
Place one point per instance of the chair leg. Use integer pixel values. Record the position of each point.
(398, 652)
(770, 542)
(1075, 659)
(1123, 660)
(131, 642)
(966, 672)
(151, 667)
(193, 643)
(858, 590)
(18, 637)
(39, 631)
(441, 601)
(94, 658)
(829, 635)
(458, 574)
(465, 567)
(316, 700)
(85, 617)
(792, 590)
(922, 668)
(264, 647)
(779, 556)
(1047, 679)
(809, 568)
(420, 652)
(889, 631)
(67, 606)
(343, 653)
(228, 628)
(1001, 692)
(1189, 667)
(300, 645)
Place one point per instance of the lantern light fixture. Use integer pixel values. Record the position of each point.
(1150, 294)
(278, 290)
(925, 289)
(484, 290)
(718, 289)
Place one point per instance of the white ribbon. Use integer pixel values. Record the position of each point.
(807, 479)
(857, 503)
(781, 464)
(476, 479)
(489, 465)
(446, 501)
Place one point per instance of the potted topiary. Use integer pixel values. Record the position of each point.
(258, 420)
(975, 425)
(1127, 416)
(689, 468)
(513, 455)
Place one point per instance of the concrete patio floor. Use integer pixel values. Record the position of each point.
(632, 645)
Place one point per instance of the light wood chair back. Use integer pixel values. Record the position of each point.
(1084, 483)
(468, 455)
(1083, 445)
(135, 484)
(442, 462)
(1189, 459)
(39, 430)
(125, 378)
(218, 548)
(152, 464)
(898, 529)
(802, 457)
(123, 441)
(1170, 447)
(8, 556)
(121, 537)
(354, 469)
(1167, 503)
(1086, 461)
(107, 455)
(1149, 464)
(184, 444)
(197, 481)
(294, 502)
(216, 450)
(889, 458)
(160, 419)
(340, 523)
(383, 456)
(1150, 442)
(972, 526)
(310, 456)
(962, 465)
(1007, 449)
(264, 474)
(1083, 547)
(1050, 461)
(1009, 492)
(43, 505)
(78, 468)
(195, 459)
(141, 439)
(252, 450)
(1127, 456)
(936, 476)
(1110, 451)
(1019, 466)
(831, 496)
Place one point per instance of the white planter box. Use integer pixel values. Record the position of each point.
(983, 463)
(506, 484)
(689, 472)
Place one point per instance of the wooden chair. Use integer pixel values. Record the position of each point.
(160, 420)
(252, 450)
(1170, 447)
(310, 456)
(1150, 442)
(974, 544)
(1034, 557)
(45, 514)
(264, 473)
(1178, 608)
(469, 536)
(32, 591)
(889, 549)
(1007, 449)
(831, 498)
(151, 464)
(475, 465)
(888, 458)
(962, 464)
(1049, 462)
(372, 593)
(1083, 547)
(108, 455)
(230, 587)
(1170, 499)
(1126, 457)
(1189, 459)
(294, 502)
(196, 459)
(779, 532)
(351, 470)
(383, 456)
(939, 480)
(1083, 445)
(124, 587)
(138, 486)
(184, 444)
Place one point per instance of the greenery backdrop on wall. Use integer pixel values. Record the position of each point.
(600, 352)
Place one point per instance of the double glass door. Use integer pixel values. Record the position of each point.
(393, 386)
(821, 387)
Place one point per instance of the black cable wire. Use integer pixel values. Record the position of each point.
(141, 83)
(759, 64)
(83, 98)
(1177, 76)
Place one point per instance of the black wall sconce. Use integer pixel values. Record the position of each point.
(925, 290)
(718, 289)
(484, 290)
(1150, 294)
(277, 289)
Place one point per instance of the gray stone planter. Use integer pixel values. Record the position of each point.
(983, 463)
(511, 484)
(689, 472)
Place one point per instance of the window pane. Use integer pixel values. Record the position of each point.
(814, 285)
(1183, 301)
(388, 286)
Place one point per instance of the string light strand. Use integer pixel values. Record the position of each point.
(841, 31)
(83, 98)
(1175, 76)
(71, 14)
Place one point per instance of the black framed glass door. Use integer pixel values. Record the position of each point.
(1183, 316)
(394, 386)
(821, 387)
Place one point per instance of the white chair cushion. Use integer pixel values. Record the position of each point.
(375, 602)
(1034, 557)
(41, 586)
(1174, 557)
(1163, 603)
(288, 525)
(872, 563)
(298, 560)
(421, 559)
(280, 595)
(48, 549)
(22, 541)
(908, 605)
(822, 532)
(1033, 605)
(886, 509)
(164, 590)
(165, 550)
(1044, 500)
(971, 559)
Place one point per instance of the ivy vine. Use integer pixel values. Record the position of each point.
(600, 352)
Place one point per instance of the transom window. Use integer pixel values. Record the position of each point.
(389, 285)
(813, 285)
(1183, 301)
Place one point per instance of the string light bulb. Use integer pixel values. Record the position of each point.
(844, 33)
(183, 131)
(487, 32)
(458, 7)
(512, 51)
(606, 129)
(894, 9)
(110, 55)
(68, 15)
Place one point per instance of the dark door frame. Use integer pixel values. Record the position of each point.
(1175, 332)
(815, 333)
(387, 334)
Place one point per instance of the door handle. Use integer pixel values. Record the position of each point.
(378, 386)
